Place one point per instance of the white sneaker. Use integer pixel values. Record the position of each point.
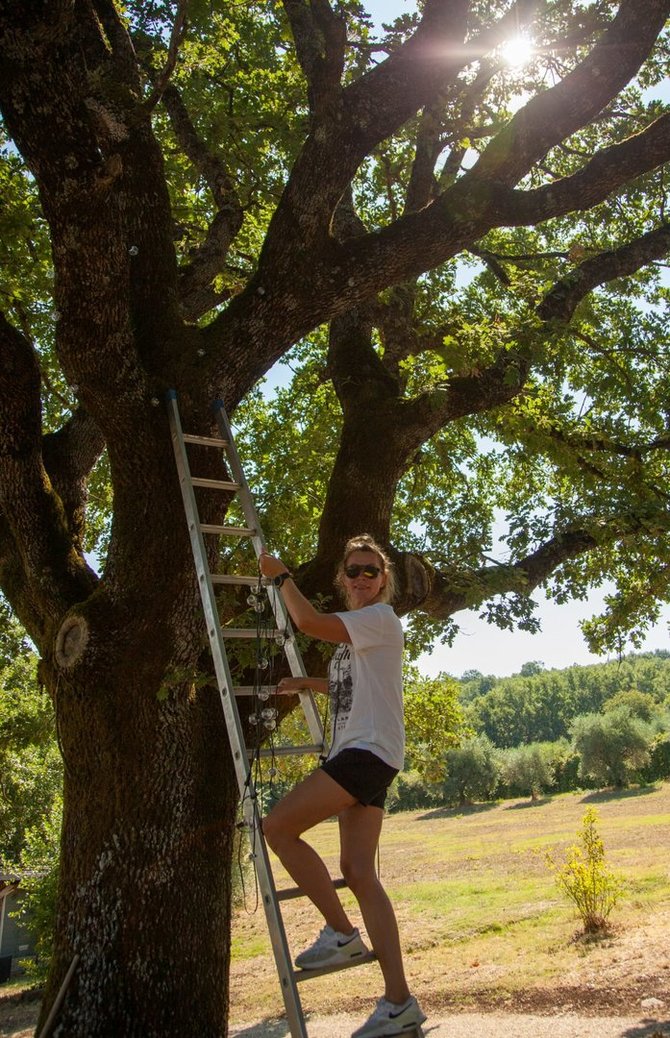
(331, 949)
(388, 1018)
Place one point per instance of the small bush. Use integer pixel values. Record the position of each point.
(587, 880)
(613, 746)
(528, 769)
(411, 791)
(39, 871)
(473, 771)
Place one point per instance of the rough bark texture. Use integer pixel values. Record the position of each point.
(150, 796)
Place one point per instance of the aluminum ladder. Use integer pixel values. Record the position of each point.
(270, 896)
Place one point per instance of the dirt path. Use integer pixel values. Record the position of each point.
(18, 1016)
(485, 1025)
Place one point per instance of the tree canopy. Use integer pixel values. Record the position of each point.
(480, 245)
(460, 259)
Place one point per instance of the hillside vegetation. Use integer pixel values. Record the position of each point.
(540, 731)
(539, 705)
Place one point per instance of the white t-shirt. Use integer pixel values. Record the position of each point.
(365, 685)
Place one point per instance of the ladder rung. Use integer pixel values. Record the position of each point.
(300, 975)
(214, 484)
(206, 441)
(249, 632)
(251, 690)
(233, 578)
(287, 751)
(289, 893)
(228, 531)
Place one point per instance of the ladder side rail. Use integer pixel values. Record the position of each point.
(214, 632)
(224, 680)
(280, 947)
(291, 650)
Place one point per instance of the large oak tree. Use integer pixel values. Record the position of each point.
(463, 259)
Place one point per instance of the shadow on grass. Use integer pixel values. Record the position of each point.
(522, 805)
(604, 796)
(648, 1029)
(265, 1029)
(458, 812)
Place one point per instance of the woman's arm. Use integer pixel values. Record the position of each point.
(326, 626)
(302, 685)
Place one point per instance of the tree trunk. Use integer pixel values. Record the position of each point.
(145, 890)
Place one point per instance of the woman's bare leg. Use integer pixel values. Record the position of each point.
(360, 827)
(312, 801)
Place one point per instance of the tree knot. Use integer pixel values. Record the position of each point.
(71, 641)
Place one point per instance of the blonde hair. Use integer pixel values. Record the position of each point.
(364, 542)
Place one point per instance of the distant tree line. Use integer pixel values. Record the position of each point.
(542, 732)
(539, 705)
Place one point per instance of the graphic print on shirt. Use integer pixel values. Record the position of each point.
(340, 689)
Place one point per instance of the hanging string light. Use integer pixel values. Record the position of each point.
(263, 720)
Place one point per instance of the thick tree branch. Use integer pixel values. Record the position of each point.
(477, 202)
(20, 416)
(39, 562)
(69, 456)
(195, 279)
(359, 377)
(397, 328)
(553, 115)
(586, 444)
(429, 144)
(116, 32)
(355, 270)
(330, 277)
(418, 71)
(371, 109)
(420, 241)
(382, 431)
(320, 40)
(176, 38)
(607, 171)
(560, 303)
(445, 597)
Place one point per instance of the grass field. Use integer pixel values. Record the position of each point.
(482, 921)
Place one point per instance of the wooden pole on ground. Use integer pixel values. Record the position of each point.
(58, 1001)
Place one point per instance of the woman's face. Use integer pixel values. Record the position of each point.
(364, 578)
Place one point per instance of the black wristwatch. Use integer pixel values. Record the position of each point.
(280, 578)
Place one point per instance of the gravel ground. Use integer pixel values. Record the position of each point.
(18, 1017)
(487, 1025)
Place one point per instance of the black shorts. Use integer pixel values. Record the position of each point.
(363, 774)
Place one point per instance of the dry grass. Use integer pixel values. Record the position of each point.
(484, 926)
(482, 920)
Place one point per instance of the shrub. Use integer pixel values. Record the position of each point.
(612, 746)
(433, 721)
(473, 771)
(39, 872)
(586, 879)
(411, 791)
(528, 769)
(658, 767)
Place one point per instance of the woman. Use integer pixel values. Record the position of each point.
(367, 748)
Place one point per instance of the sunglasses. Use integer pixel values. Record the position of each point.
(369, 571)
